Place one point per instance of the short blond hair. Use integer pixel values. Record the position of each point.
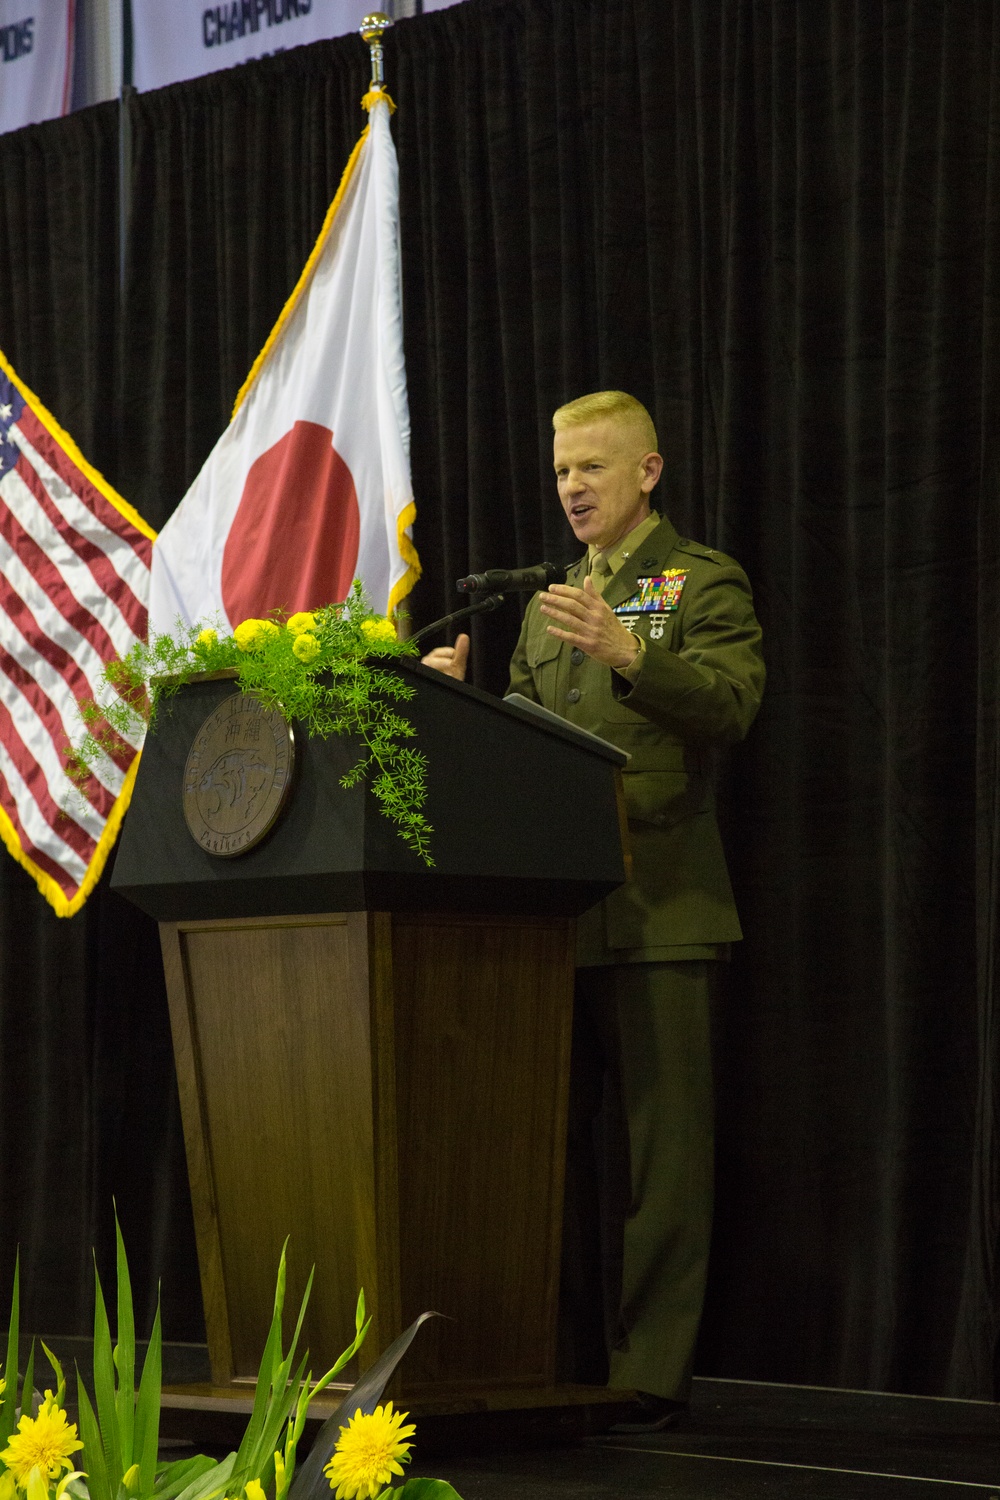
(618, 405)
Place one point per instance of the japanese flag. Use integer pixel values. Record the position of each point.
(309, 486)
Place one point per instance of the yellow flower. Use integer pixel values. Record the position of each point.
(379, 630)
(280, 1480)
(253, 633)
(254, 1488)
(306, 648)
(300, 622)
(44, 1442)
(368, 1452)
(206, 639)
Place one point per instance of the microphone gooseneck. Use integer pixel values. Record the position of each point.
(481, 606)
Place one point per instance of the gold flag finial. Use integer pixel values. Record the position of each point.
(373, 28)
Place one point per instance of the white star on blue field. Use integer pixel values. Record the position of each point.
(11, 407)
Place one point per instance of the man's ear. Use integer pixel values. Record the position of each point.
(652, 468)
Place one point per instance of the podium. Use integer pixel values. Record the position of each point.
(373, 1055)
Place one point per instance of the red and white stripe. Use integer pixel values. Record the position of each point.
(74, 585)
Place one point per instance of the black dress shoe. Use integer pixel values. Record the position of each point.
(652, 1414)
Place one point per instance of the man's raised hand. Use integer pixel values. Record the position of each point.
(451, 660)
(581, 617)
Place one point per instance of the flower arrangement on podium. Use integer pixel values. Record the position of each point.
(322, 667)
(359, 1450)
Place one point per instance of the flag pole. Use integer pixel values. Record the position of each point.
(373, 28)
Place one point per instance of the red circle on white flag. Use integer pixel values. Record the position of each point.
(293, 543)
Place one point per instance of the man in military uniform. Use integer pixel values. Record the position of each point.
(651, 643)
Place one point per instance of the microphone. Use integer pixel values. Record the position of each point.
(514, 580)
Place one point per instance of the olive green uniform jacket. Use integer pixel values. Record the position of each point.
(697, 691)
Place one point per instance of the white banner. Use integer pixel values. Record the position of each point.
(186, 38)
(36, 60)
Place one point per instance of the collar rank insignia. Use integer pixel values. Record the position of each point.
(658, 597)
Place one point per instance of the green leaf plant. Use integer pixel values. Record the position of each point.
(119, 1425)
(121, 1433)
(8, 1394)
(319, 667)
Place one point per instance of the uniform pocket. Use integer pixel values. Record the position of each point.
(650, 749)
(662, 798)
(544, 663)
(545, 648)
(618, 713)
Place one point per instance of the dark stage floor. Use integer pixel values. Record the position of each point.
(746, 1440)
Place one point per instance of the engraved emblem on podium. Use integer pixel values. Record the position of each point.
(237, 776)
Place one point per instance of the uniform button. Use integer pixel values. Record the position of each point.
(573, 696)
(576, 656)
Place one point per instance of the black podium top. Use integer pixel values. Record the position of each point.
(524, 811)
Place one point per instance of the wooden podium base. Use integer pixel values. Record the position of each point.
(216, 1416)
(388, 1091)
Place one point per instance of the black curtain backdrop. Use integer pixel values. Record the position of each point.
(779, 225)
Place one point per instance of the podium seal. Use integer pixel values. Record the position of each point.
(237, 776)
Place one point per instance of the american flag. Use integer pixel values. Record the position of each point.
(74, 585)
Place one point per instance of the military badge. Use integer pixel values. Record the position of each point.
(657, 597)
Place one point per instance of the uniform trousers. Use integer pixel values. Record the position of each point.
(639, 1176)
